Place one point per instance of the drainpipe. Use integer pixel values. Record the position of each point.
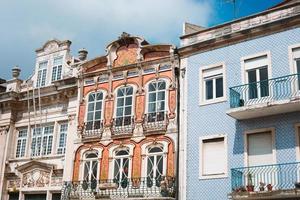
(177, 75)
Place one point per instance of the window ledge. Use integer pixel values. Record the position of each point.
(213, 101)
(36, 158)
(217, 176)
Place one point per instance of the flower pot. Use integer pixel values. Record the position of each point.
(270, 187)
(250, 188)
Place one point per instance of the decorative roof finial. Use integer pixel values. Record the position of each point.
(124, 35)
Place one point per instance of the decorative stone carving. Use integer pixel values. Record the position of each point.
(172, 103)
(4, 129)
(13, 184)
(51, 46)
(36, 178)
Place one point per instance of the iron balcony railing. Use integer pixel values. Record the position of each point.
(266, 177)
(92, 129)
(156, 121)
(122, 125)
(281, 88)
(117, 189)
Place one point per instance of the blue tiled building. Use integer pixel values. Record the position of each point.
(240, 111)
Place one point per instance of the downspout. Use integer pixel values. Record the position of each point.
(177, 75)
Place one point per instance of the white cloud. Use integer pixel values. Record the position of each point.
(91, 24)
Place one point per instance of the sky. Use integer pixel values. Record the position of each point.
(92, 24)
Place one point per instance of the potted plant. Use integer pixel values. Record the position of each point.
(270, 187)
(262, 186)
(250, 186)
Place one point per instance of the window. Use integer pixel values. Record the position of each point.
(257, 76)
(213, 157)
(62, 138)
(42, 74)
(91, 163)
(212, 85)
(260, 148)
(124, 106)
(155, 165)
(41, 142)
(296, 63)
(21, 143)
(57, 69)
(156, 101)
(94, 113)
(121, 165)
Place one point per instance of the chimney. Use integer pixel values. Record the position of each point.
(82, 54)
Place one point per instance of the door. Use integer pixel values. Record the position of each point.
(14, 196)
(35, 196)
(258, 83)
(56, 196)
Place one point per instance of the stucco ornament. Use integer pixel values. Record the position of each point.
(36, 178)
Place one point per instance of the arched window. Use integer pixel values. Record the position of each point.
(94, 112)
(124, 106)
(91, 166)
(155, 163)
(121, 166)
(156, 101)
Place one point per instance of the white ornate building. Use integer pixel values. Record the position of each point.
(36, 118)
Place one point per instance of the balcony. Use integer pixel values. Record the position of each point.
(135, 188)
(92, 129)
(279, 181)
(122, 126)
(264, 98)
(155, 122)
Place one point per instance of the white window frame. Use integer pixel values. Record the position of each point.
(166, 93)
(112, 158)
(297, 135)
(133, 100)
(61, 148)
(82, 161)
(102, 108)
(244, 69)
(215, 176)
(292, 58)
(23, 143)
(40, 82)
(42, 136)
(202, 88)
(57, 68)
(254, 131)
(145, 155)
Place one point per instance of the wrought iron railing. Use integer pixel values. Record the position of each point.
(122, 125)
(116, 189)
(92, 129)
(155, 121)
(281, 88)
(259, 178)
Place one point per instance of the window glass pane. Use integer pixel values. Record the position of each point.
(264, 84)
(125, 167)
(128, 101)
(150, 163)
(155, 150)
(117, 169)
(122, 152)
(91, 107)
(252, 76)
(209, 89)
(57, 61)
(219, 87)
(128, 110)
(152, 87)
(161, 95)
(162, 85)
(86, 171)
(92, 97)
(152, 97)
(120, 112)
(252, 84)
(91, 155)
(129, 91)
(161, 106)
(159, 160)
(99, 105)
(97, 115)
(99, 96)
(54, 73)
(151, 107)
(298, 65)
(90, 117)
(120, 92)
(120, 102)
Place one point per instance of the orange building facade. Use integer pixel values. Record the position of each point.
(127, 123)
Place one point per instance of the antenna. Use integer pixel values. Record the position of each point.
(234, 7)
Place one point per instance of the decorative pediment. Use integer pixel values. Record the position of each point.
(53, 45)
(27, 167)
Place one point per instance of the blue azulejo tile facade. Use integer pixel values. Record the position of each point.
(218, 118)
